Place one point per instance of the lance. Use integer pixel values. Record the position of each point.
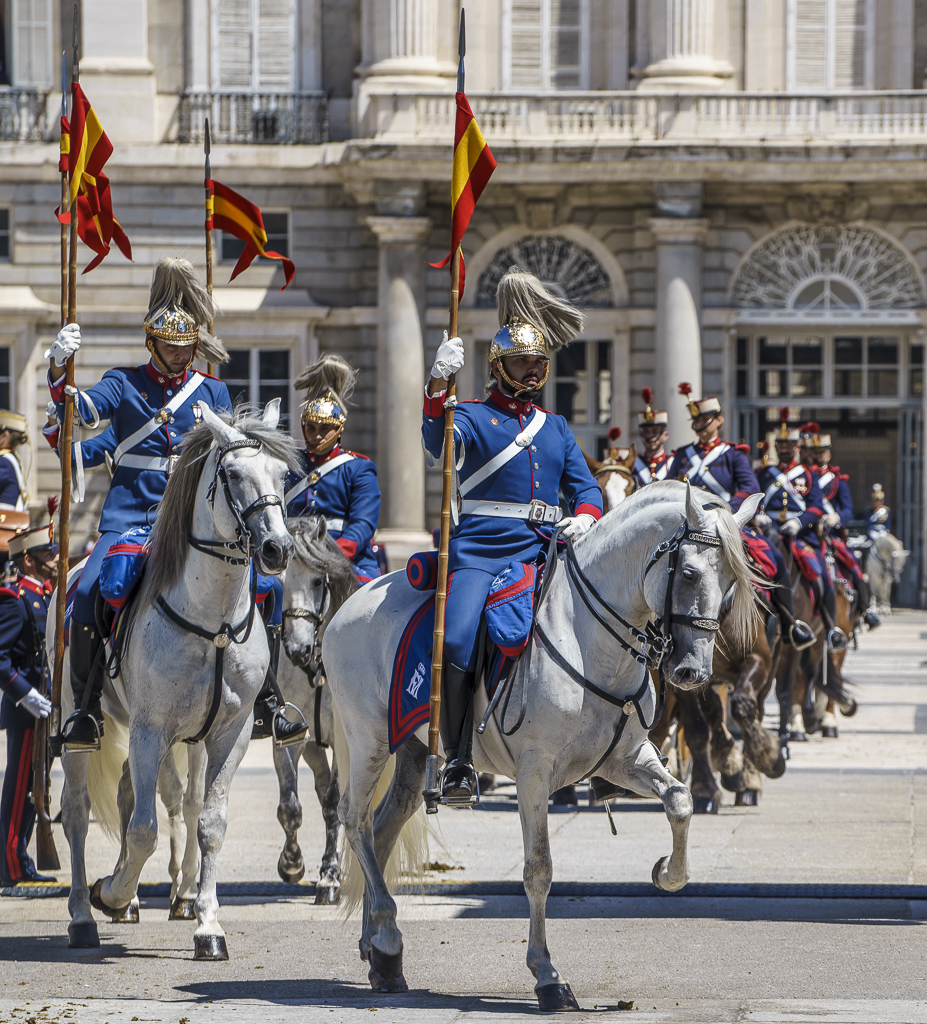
(209, 208)
(431, 791)
(66, 435)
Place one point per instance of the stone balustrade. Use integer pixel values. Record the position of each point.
(263, 118)
(23, 116)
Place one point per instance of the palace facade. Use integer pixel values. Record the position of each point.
(733, 189)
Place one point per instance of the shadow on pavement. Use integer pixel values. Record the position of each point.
(54, 949)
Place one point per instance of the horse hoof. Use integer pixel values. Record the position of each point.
(181, 910)
(849, 709)
(798, 737)
(291, 875)
(327, 895)
(83, 935)
(128, 916)
(733, 783)
(552, 998)
(778, 768)
(385, 973)
(704, 805)
(96, 901)
(210, 947)
(829, 732)
(747, 798)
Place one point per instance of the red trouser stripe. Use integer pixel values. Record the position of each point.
(19, 800)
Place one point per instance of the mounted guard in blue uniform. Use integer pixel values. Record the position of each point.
(335, 483)
(24, 603)
(150, 408)
(14, 432)
(724, 470)
(652, 427)
(838, 511)
(795, 505)
(514, 460)
(879, 515)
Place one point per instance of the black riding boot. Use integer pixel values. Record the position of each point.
(83, 729)
(865, 600)
(459, 785)
(269, 716)
(795, 632)
(836, 638)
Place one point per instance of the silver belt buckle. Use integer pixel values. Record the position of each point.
(536, 511)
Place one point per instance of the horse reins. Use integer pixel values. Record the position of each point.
(317, 618)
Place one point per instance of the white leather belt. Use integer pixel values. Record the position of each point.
(334, 525)
(155, 463)
(533, 512)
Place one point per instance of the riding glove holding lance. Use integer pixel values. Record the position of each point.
(66, 344)
(37, 705)
(790, 527)
(449, 358)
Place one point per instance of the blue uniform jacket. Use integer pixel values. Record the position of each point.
(129, 397)
(349, 498)
(719, 467)
(10, 493)
(19, 670)
(647, 471)
(793, 488)
(873, 529)
(835, 493)
(550, 465)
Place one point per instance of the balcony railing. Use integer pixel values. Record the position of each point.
(650, 117)
(262, 118)
(23, 114)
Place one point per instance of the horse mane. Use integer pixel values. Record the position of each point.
(168, 545)
(323, 553)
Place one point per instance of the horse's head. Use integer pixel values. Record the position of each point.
(688, 590)
(614, 476)
(251, 481)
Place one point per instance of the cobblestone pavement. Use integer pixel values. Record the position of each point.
(847, 811)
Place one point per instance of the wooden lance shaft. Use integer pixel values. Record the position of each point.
(209, 208)
(437, 656)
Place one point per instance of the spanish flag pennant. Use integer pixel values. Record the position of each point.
(473, 167)
(231, 212)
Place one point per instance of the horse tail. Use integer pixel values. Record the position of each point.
(409, 855)
(104, 770)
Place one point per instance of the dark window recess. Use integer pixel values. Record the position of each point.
(743, 383)
(742, 351)
(237, 375)
(917, 370)
(4, 234)
(258, 375)
(4, 378)
(277, 226)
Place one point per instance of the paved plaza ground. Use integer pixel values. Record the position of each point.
(851, 811)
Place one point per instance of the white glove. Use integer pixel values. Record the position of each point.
(51, 411)
(66, 344)
(762, 520)
(450, 358)
(37, 705)
(831, 520)
(790, 527)
(575, 526)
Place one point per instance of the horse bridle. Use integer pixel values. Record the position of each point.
(317, 618)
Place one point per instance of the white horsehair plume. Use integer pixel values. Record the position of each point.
(175, 285)
(330, 373)
(521, 296)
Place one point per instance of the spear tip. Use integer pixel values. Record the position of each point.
(462, 39)
(206, 139)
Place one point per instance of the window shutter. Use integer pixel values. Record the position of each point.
(565, 44)
(850, 45)
(811, 44)
(234, 44)
(526, 45)
(32, 42)
(276, 36)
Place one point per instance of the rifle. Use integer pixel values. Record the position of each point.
(46, 854)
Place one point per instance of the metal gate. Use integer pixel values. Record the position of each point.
(909, 514)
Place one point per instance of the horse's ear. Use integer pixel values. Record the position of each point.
(696, 516)
(272, 414)
(632, 455)
(218, 426)
(321, 528)
(747, 510)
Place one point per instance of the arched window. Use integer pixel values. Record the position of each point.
(545, 44)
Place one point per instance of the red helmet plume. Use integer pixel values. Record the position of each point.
(51, 503)
(614, 433)
(784, 413)
(685, 388)
(647, 395)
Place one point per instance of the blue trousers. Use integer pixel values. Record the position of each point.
(85, 598)
(466, 597)
(17, 812)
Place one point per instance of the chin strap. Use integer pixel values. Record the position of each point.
(159, 366)
(328, 447)
(520, 390)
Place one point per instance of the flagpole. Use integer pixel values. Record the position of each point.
(209, 208)
(432, 792)
(64, 194)
(64, 448)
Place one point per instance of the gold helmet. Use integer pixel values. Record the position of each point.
(180, 310)
(328, 384)
(532, 322)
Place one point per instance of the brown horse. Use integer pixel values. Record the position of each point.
(614, 475)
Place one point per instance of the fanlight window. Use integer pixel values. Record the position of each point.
(826, 294)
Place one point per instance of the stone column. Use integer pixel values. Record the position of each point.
(678, 336)
(400, 383)
(115, 70)
(682, 45)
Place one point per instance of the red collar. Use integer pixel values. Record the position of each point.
(509, 404)
(785, 468)
(320, 460)
(33, 586)
(655, 460)
(162, 378)
(708, 447)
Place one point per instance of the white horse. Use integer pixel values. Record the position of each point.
(319, 579)
(191, 664)
(582, 695)
(887, 558)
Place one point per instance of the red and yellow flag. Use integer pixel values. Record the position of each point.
(84, 152)
(229, 211)
(473, 167)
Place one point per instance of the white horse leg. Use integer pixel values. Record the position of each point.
(328, 791)
(290, 865)
(225, 752)
(125, 801)
(184, 893)
(75, 818)
(170, 790)
(533, 787)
